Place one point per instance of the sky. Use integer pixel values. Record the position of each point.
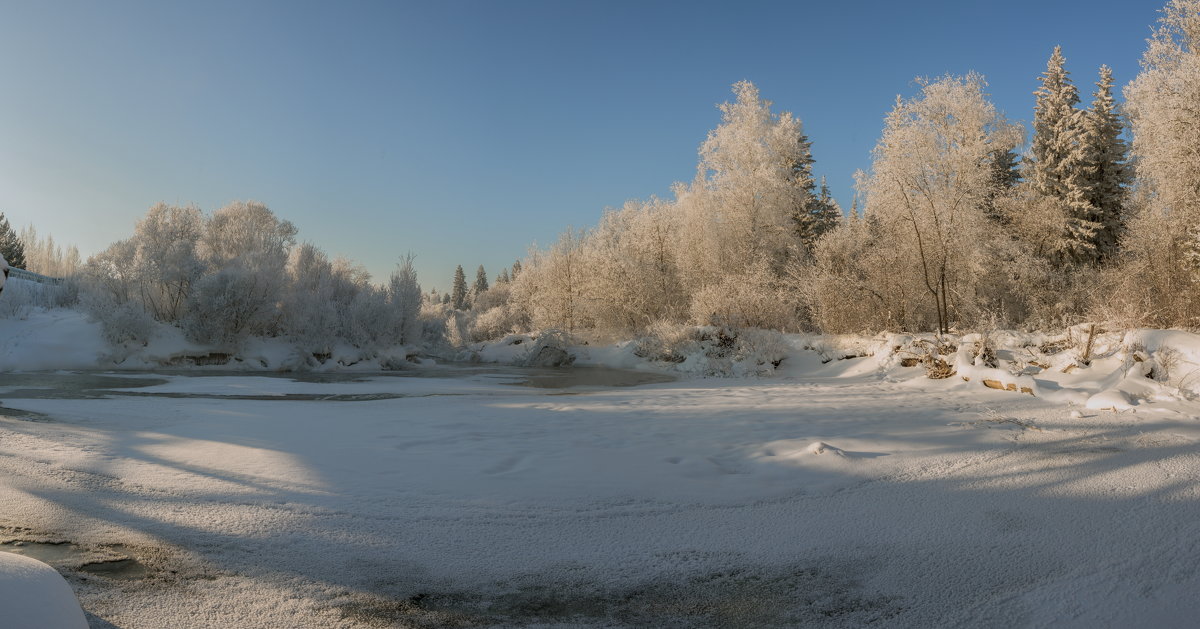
(466, 132)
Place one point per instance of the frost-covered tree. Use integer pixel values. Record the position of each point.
(458, 290)
(856, 281)
(552, 284)
(502, 277)
(1163, 266)
(516, 270)
(1059, 163)
(633, 280)
(753, 185)
(245, 247)
(309, 308)
(249, 234)
(930, 182)
(165, 262)
(11, 246)
(1055, 129)
(404, 301)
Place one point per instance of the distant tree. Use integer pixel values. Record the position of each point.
(458, 291)
(516, 270)
(11, 246)
(43, 256)
(404, 301)
(481, 282)
(502, 278)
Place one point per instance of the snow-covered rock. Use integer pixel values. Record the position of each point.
(34, 596)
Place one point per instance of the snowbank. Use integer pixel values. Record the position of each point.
(51, 339)
(55, 339)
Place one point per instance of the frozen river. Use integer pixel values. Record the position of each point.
(465, 497)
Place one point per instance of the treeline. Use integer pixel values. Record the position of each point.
(954, 228)
(238, 273)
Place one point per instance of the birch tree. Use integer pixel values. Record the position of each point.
(930, 181)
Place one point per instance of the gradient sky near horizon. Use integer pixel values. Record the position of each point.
(464, 132)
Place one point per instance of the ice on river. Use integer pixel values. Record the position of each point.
(460, 499)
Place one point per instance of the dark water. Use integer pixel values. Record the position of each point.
(101, 385)
(120, 564)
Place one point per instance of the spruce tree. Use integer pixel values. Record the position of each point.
(1005, 176)
(831, 212)
(502, 278)
(814, 211)
(1059, 163)
(481, 282)
(1055, 127)
(458, 292)
(516, 270)
(1108, 167)
(11, 246)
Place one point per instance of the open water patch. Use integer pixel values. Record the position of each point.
(780, 596)
(590, 377)
(111, 561)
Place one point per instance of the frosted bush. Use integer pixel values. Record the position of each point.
(747, 300)
(760, 350)
(363, 320)
(20, 297)
(667, 342)
(493, 324)
(714, 350)
(227, 307)
(121, 323)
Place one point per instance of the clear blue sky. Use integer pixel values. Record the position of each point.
(465, 131)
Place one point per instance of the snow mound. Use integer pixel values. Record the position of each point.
(34, 596)
(820, 447)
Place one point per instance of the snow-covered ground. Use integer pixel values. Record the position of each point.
(831, 495)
